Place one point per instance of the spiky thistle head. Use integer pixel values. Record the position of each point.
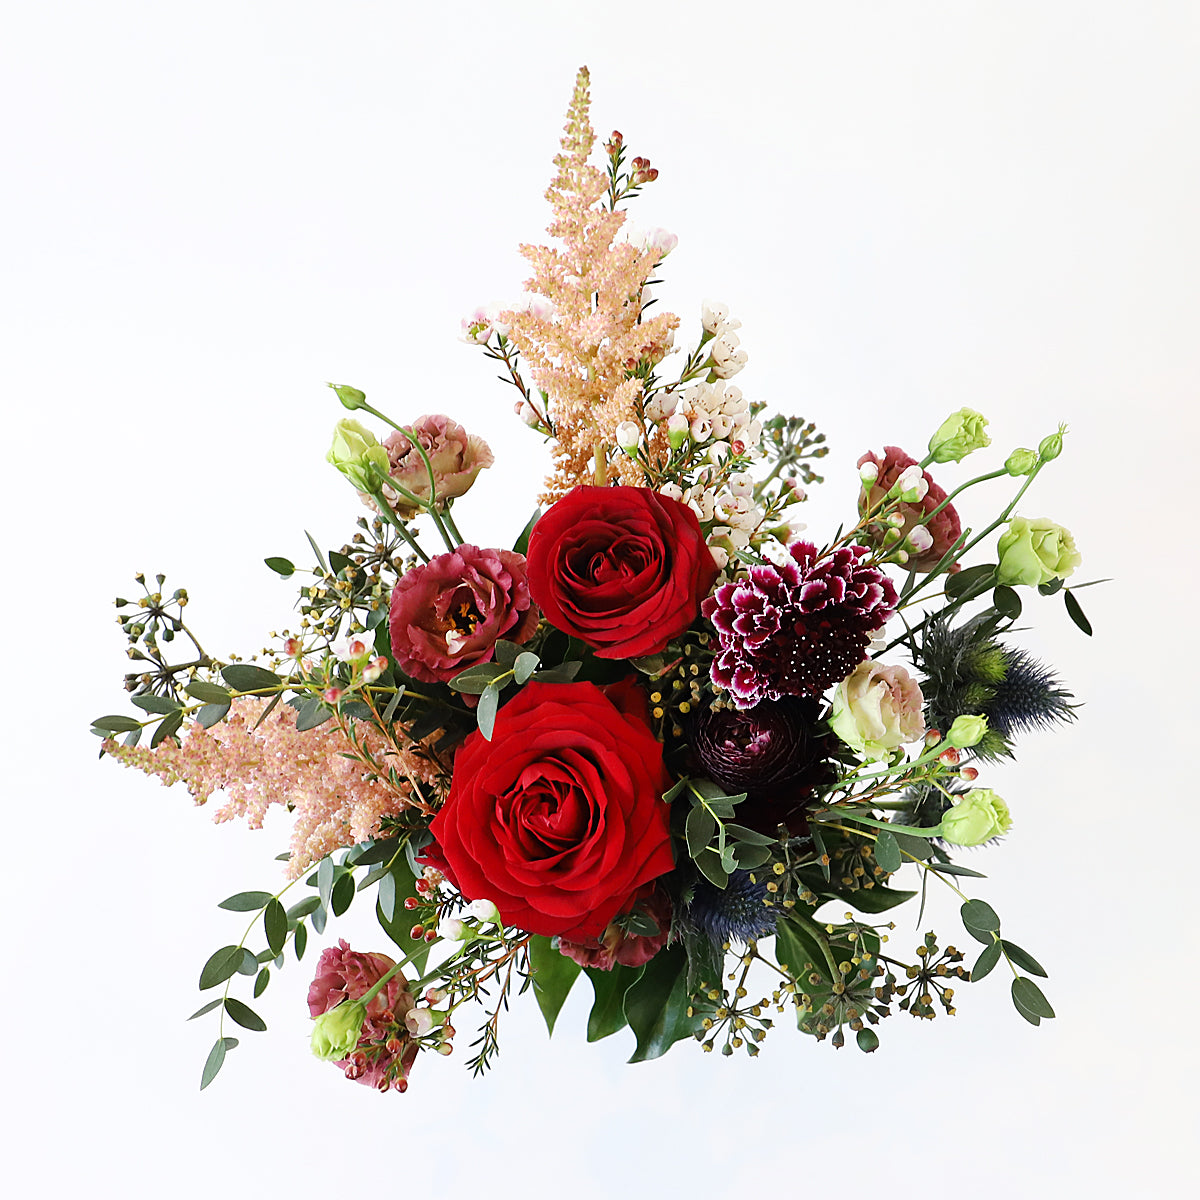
(967, 671)
(735, 913)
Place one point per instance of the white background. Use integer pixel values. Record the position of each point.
(210, 209)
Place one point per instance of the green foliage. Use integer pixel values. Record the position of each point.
(553, 975)
(656, 1005)
(608, 1009)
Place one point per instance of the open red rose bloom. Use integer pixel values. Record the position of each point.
(559, 819)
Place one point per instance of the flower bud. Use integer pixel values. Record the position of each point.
(629, 435)
(1033, 552)
(967, 731)
(351, 397)
(418, 1021)
(336, 1032)
(455, 930)
(678, 428)
(979, 816)
(1021, 462)
(868, 473)
(484, 910)
(1050, 447)
(958, 435)
(920, 539)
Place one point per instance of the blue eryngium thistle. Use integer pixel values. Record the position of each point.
(968, 672)
(733, 914)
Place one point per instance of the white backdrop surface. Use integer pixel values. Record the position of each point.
(210, 209)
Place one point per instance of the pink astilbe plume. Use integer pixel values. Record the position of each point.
(582, 353)
(337, 801)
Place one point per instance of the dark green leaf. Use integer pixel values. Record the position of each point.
(748, 857)
(563, 673)
(522, 543)
(700, 829)
(1076, 613)
(275, 923)
(337, 562)
(822, 853)
(244, 1015)
(980, 920)
(342, 895)
(317, 551)
(868, 1040)
(1006, 601)
(300, 941)
(485, 713)
(260, 984)
(325, 873)
(728, 860)
(266, 712)
(553, 976)
(1048, 589)
(947, 868)
(167, 728)
(208, 693)
(397, 925)
(386, 896)
(750, 836)
(207, 1008)
(887, 852)
(985, 962)
(797, 952)
(475, 680)
(1030, 1002)
(249, 963)
(875, 900)
(675, 790)
(243, 677)
(116, 724)
(156, 704)
(306, 907)
(216, 1056)
(971, 582)
(608, 1011)
(131, 738)
(915, 846)
(709, 863)
(245, 902)
(209, 714)
(656, 1005)
(525, 666)
(222, 965)
(281, 566)
(1024, 960)
(312, 712)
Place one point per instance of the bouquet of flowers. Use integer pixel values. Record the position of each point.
(665, 741)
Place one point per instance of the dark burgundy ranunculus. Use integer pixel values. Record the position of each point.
(944, 528)
(621, 568)
(447, 614)
(776, 752)
(559, 818)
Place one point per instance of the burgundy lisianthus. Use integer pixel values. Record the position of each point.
(616, 946)
(456, 456)
(796, 629)
(345, 974)
(621, 568)
(774, 752)
(448, 614)
(944, 528)
(558, 820)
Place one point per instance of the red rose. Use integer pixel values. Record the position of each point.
(621, 568)
(559, 819)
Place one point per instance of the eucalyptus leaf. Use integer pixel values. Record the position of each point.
(207, 1008)
(525, 666)
(875, 900)
(699, 830)
(167, 728)
(275, 923)
(1076, 612)
(887, 852)
(1029, 1001)
(300, 941)
(313, 712)
(342, 895)
(477, 679)
(212, 1064)
(244, 677)
(208, 715)
(1023, 959)
(709, 863)
(244, 1015)
(156, 704)
(260, 984)
(980, 920)
(485, 713)
(748, 857)
(306, 907)
(325, 873)
(116, 723)
(221, 965)
(1006, 602)
(985, 962)
(245, 901)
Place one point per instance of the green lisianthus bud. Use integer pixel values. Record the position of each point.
(1050, 447)
(1035, 552)
(977, 817)
(1021, 462)
(351, 397)
(354, 449)
(336, 1032)
(967, 731)
(958, 435)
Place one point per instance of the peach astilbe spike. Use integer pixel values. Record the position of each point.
(337, 800)
(585, 353)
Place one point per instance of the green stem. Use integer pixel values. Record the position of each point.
(818, 935)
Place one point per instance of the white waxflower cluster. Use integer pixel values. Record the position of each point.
(708, 412)
(729, 506)
(725, 357)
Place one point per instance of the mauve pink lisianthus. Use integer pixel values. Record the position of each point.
(448, 614)
(345, 974)
(456, 456)
(944, 528)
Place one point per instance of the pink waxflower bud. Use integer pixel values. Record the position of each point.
(418, 1022)
(332, 695)
(293, 647)
(949, 757)
(970, 774)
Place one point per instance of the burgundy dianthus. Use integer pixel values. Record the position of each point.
(799, 628)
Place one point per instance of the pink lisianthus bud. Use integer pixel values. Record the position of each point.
(456, 457)
(448, 614)
(944, 528)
